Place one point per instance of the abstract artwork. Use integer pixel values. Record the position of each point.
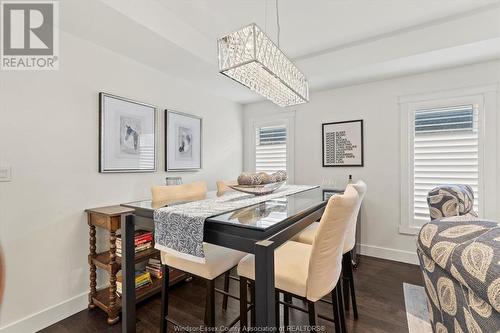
(343, 143)
(182, 141)
(127, 135)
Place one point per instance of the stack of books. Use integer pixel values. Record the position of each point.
(143, 240)
(142, 280)
(154, 268)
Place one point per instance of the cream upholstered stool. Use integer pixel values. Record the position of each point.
(184, 192)
(218, 260)
(222, 186)
(307, 237)
(309, 272)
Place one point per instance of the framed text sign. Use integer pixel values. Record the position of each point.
(343, 143)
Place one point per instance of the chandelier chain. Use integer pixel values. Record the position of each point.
(265, 16)
(278, 22)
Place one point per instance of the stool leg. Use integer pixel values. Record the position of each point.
(312, 313)
(335, 306)
(243, 304)
(210, 304)
(286, 311)
(351, 285)
(277, 308)
(252, 299)
(165, 273)
(226, 289)
(341, 310)
(345, 280)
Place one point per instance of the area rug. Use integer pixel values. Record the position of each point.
(416, 309)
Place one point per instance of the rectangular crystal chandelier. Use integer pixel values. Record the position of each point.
(250, 57)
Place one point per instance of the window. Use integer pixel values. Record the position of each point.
(443, 142)
(445, 151)
(270, 149)
(269, 143)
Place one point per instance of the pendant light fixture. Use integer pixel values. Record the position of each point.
(251, 58)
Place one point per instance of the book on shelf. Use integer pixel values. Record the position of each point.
(142, 279)
(154, 267)
(139, 248)
(143, 240)
(140, 236)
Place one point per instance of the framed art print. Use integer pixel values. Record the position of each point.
(343, 143)
(127, 135)
(183, 134)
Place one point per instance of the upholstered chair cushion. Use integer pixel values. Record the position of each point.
(312, 271)
(218, 260)
(350, 240)
(191, 191)
(451, 200)
(291, 264)
(307, 235)
(326, 255)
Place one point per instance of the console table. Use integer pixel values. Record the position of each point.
(109, 218)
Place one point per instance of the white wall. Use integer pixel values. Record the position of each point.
(49, 135)
(377, 104)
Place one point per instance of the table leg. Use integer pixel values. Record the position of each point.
(264, 285)
(128, 274)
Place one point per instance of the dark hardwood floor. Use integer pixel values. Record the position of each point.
(379, 288)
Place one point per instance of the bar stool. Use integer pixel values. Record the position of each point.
(309, 272)
(218, 260)
(223, 186)
(307, 237)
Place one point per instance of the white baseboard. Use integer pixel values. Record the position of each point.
(389, 254)
(49, 316)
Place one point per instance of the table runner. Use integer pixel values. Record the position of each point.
(179, 228)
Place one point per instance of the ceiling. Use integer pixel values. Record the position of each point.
(334, 42)
(309, 27)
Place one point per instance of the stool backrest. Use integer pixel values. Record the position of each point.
(350, 240)
(222, 186)
(184, 192)
(325, 262)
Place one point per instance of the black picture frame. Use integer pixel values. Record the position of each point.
(103, 167)
(360, 121)
(169, 139)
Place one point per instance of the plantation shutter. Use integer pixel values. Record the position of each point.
(446, 151)
(270, 149)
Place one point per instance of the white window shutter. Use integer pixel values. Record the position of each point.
(270, 149)
(445, 151)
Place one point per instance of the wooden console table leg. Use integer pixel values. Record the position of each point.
(93, 275)
(113, 313)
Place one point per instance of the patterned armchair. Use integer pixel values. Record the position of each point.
(460, 262)
(451, 200)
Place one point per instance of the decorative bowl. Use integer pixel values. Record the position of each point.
(258, 189)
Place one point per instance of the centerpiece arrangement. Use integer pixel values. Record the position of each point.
(260, 183)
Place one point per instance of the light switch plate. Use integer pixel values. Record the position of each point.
(5, 174)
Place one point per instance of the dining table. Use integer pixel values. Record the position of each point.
(258, 229)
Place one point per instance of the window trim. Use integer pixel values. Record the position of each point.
(408, 105)
(283, 118)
